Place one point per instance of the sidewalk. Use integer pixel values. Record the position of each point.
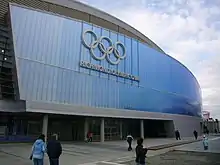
(151, 143)
(82, 153)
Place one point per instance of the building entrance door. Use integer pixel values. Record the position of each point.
(112, 130)
(77, 131)
(69, 128)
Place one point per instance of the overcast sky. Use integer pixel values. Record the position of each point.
(188, 30)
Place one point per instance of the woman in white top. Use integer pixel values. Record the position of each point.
(129, 140)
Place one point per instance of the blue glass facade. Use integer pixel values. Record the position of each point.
(48, 49)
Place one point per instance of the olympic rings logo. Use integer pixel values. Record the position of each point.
(106, 51)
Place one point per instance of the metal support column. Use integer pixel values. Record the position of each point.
(142, 128)
(86, 129)
(45, 125)
(102, 130)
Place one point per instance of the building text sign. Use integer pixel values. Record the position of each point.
(99, 68)
(105, 51)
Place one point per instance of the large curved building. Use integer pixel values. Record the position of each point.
(68, 65)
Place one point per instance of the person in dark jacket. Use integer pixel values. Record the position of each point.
(195, 134)
(207, 132)
(54, 150)
(177, 134)
(140, 152)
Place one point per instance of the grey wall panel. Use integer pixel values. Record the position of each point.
(69, 12)
(186, 126)
(12, 106)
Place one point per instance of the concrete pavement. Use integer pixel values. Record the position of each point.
(214, 146)
(82, 153)
(190, 154)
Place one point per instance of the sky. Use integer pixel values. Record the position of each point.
(188, 30)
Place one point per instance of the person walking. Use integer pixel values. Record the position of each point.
(207, 132)
(54, 150)
(195, 134)
(140, 152)
(38, 150)
(129, 140)
(205, 142)
(89, 136)
(177, 133)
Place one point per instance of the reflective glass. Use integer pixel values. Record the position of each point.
(49, 48)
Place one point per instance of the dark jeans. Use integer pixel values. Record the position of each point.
(206, 147)
(54, 161)
(178, 138)
(129, 145)
(90, 139)
(38, 161)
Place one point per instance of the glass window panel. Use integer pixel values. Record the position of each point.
(35, 82)
(85, 52)
(29, 87)
(104, 62)
(97, 52)
(55, 85)
(54, 49)
(128, 46)
(72, 88)
(121, 65)
(134, 60)
(50, 83)
(114, 38)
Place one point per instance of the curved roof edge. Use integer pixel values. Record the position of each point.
(76, 5)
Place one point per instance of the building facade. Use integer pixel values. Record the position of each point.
(67, 72)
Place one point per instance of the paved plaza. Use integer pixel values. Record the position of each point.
(99, 153)
(190, 154)
(182, 158)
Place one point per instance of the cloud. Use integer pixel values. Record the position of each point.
(187, 30)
